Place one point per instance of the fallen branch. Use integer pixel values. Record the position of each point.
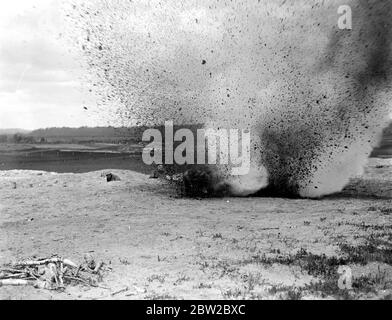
(32, 263)
(7, 270)
(51, 274)
(16, 283)
(120, 291)
(14, 276)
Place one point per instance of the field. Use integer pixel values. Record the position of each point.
(70, 158)
(159, 245)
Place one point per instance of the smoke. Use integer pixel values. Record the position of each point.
(315, 98)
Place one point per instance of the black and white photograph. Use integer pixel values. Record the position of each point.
(195, 150)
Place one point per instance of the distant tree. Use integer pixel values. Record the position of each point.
(17, 138)
(28, 139)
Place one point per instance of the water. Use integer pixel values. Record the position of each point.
(54, 160)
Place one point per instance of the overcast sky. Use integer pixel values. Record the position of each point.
(40, 82)
(39, 79)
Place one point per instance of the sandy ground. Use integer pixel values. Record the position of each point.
(161, 246)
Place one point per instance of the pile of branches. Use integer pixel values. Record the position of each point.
(53, 273)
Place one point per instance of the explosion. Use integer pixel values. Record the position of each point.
(314, 97)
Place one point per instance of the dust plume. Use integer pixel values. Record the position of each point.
(315, 98)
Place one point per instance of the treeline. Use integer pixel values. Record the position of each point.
(97, 134)
(74, 135)
(108, 132)
(16, 138)
(85, 135)
(84, 132)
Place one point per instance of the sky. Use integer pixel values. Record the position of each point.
(40, 80)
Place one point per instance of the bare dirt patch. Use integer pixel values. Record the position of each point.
(161, 246)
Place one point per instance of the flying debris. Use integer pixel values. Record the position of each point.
(315, 98)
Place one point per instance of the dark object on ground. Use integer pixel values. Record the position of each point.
(198, 183)
(204, 182)
(158, 172)
(154, 175)
(112, 177)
